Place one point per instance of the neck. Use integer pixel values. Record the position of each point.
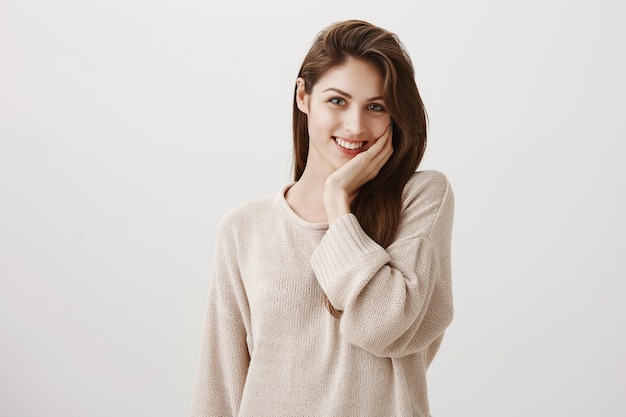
(306, 198)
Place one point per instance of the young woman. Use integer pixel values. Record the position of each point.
(331, 297)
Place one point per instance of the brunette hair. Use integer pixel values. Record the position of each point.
(378, 203)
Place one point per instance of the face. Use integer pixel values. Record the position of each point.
(346, 114)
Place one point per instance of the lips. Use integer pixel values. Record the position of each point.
(348, 144)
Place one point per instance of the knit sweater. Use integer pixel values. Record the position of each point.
(270, 348)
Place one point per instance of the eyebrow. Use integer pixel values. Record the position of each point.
(349, 96)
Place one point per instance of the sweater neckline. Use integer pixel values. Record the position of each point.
(292, 216)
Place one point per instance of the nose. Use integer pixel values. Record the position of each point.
(354, 121)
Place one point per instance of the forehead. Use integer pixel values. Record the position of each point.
(360, 79)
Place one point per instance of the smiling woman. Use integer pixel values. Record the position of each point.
(331, 297)
(346, 115)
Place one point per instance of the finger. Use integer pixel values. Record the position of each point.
(385, 146)
(387, 131)
(386, 135)
(380, 142)
(382, 157)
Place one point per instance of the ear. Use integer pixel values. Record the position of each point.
(302, 98)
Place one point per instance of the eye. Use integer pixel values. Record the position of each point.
(375, 107)
(337, 100)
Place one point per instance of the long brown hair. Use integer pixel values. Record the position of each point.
(378, 203)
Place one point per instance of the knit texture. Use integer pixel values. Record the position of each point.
(270, 348)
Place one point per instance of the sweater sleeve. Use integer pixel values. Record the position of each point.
(224, 357)
(395, 301)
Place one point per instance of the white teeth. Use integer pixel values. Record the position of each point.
(348, 145)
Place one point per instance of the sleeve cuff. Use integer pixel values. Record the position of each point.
(341, 253)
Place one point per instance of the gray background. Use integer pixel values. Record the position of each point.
(128, 128)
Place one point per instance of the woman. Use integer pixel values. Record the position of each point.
(331, 297)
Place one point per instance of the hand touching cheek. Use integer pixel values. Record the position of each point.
(341, 186)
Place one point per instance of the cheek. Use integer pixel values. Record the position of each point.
(322, 119)
(378, 125)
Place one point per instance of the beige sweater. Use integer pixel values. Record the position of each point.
(271, 349)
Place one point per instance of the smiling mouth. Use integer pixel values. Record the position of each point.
(348, 145)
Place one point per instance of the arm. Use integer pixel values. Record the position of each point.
(224, 358)
(395, 301)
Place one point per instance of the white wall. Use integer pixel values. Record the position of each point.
(129, 127)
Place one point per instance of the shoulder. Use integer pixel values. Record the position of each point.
(427, 184)
(428, 203)
(245, 216)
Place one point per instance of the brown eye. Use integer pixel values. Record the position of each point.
(376, 107)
